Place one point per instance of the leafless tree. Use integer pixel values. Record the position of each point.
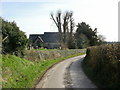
(65, 26)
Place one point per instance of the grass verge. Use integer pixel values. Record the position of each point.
(1, 71)
(21, 73)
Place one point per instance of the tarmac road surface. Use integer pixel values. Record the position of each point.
(66, 74)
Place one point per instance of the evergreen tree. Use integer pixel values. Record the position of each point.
(13, 39)
(88, 35)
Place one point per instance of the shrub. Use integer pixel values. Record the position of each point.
(14, 40)
(102, 65)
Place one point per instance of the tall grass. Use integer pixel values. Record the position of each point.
(102, 65)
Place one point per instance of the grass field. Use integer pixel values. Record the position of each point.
(21, 73)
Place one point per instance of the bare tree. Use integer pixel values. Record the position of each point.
(65, 28)
(71, 41)
(68, 25)
(58, 23)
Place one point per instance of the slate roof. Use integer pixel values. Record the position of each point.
(39, 39)
(33, 37)
(51, 37)
(47, 37)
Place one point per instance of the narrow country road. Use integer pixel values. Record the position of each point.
(66, 74)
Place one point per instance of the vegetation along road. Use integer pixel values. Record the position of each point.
(66, 74)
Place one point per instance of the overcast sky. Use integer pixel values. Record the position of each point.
(33, 16)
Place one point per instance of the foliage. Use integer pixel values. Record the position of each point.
(21, 73)
(14, 40)
(91, 35)
(71, 43)
(101, 39)
(1, 71)
(82, 42)
(102, 65)
(84, 34)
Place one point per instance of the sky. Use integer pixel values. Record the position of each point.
(33, 16)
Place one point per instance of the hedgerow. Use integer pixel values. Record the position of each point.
(102, 65)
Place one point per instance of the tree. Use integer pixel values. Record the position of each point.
(71, 39)
(66, 33)
(83, 41)
(14, 40)
(101, 39)
(83, 28)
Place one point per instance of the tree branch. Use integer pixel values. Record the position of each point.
(54, 20)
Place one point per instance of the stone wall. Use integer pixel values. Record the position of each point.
(36, 55)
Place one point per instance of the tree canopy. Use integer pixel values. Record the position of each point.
(86, 36)
(13, 39)
(83, 37)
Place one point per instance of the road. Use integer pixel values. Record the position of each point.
(66, 74)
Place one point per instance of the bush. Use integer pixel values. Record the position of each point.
(14, 40)
(102, 65)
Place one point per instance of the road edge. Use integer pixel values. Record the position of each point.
(43, 75)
